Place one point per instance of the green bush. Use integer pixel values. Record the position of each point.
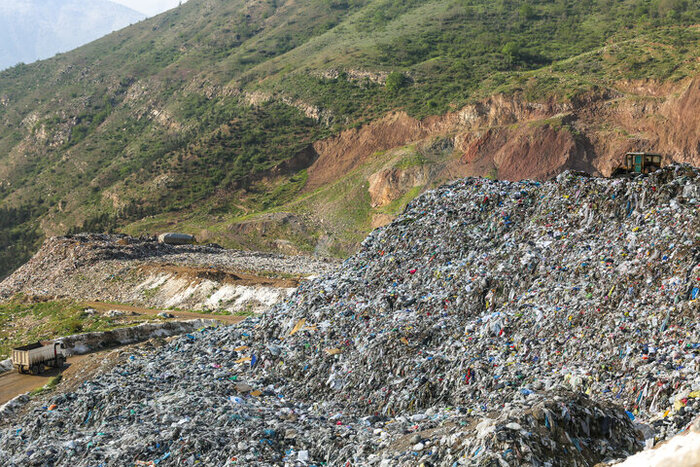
(395, 81)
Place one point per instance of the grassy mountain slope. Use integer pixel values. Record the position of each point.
(203, 118)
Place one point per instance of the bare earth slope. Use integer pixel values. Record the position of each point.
(526, 140)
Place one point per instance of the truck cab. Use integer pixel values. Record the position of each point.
(638, 163)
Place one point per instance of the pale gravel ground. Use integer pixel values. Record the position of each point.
(96, 267)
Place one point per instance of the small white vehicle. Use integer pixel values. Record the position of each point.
(172, 238)
(33, 358)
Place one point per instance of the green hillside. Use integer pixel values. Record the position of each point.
(187, 119)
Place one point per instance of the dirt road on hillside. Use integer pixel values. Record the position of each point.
(228, 319)
(12, 384)
(233, 277)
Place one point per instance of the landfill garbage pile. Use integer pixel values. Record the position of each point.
(485, 289)
(192, 403)
(559, 425)
(8, 408)
(493, 323)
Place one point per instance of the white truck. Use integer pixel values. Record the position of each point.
(33, 358)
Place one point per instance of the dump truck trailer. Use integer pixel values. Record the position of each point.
(33, 358)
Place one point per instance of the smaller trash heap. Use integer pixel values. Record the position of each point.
(492, 323)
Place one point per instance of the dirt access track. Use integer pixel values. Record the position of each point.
(222, 276)
(102, 306)
(13, 384)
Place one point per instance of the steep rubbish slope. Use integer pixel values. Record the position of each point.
(218, 114)
(490, 322)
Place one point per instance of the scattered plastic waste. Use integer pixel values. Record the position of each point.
(492, 323)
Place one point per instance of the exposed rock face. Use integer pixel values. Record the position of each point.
(537, 151)
(342, 153)
(378, 77)
(387, 185)
(682, 132)
(313, 112)
(516, 139)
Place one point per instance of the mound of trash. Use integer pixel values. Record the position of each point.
(493, 323)
(146, 273)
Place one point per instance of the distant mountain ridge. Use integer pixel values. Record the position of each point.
(32, 30)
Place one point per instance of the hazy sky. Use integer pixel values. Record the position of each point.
(150, 7)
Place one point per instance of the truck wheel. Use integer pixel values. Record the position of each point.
(33, 370)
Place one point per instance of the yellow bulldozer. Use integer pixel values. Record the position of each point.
(638, 163)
